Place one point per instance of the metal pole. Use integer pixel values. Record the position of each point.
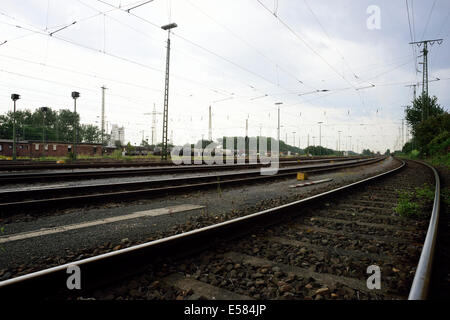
(166, 103)
(14, 132)
(76, 129)
(320, 137)
(210, 126)
(166, 93)
(43, 132)
(278, 124)
(339, 139)
(278, 131)
(103, 118)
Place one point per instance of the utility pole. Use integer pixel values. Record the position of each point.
(350, 149)
(293, 133)
(320, 136)
(278, 104)
(425, 113)
(154, 125)
(403, 135)
(339, 139)
(164, 152)
(246, 128)
(103, 118)
(154, 113)
(308, 140)
(404, 140)
(414, 86)
(210, 126)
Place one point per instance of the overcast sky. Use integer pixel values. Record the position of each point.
(238, 56)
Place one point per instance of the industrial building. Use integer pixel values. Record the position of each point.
(36, 149)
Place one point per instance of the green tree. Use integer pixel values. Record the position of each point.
(90, 133)
(45, 122)
(429, 130)
(367, 152)
(422, 108)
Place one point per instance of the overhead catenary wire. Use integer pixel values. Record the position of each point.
(428, 20)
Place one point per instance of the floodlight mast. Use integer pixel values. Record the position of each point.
(14, 97)
(75, 96)
(164, 150)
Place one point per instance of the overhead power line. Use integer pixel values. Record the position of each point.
(428, 20)
(304, 42)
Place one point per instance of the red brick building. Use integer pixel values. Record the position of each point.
(36, 149)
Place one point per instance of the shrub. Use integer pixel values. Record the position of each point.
(425, 194)
(117, 154)
(415, 204)
(415, 153)
(405, 206)
(439, 144)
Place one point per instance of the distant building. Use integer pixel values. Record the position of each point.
(36, 149)
(117, 134)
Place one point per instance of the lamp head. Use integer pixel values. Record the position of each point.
(75, 94)
(15, 97)
(169, 26)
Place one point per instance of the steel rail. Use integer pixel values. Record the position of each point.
(98, 174)
(11, 166)
(76, 196)
(421, 283)
(99, 270)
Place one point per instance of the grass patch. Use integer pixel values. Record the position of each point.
(416, 204)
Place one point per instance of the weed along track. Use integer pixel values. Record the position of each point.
(347, 244)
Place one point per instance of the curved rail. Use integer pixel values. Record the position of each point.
(421, 283)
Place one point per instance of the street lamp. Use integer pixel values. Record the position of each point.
(75, 96)
(44, 112)
(14, 97)
(167, 27)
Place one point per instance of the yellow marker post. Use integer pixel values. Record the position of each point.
(302, 176)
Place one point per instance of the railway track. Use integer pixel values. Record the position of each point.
(83, 164)
(34, 199)
(314, 248)
(67, 175)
